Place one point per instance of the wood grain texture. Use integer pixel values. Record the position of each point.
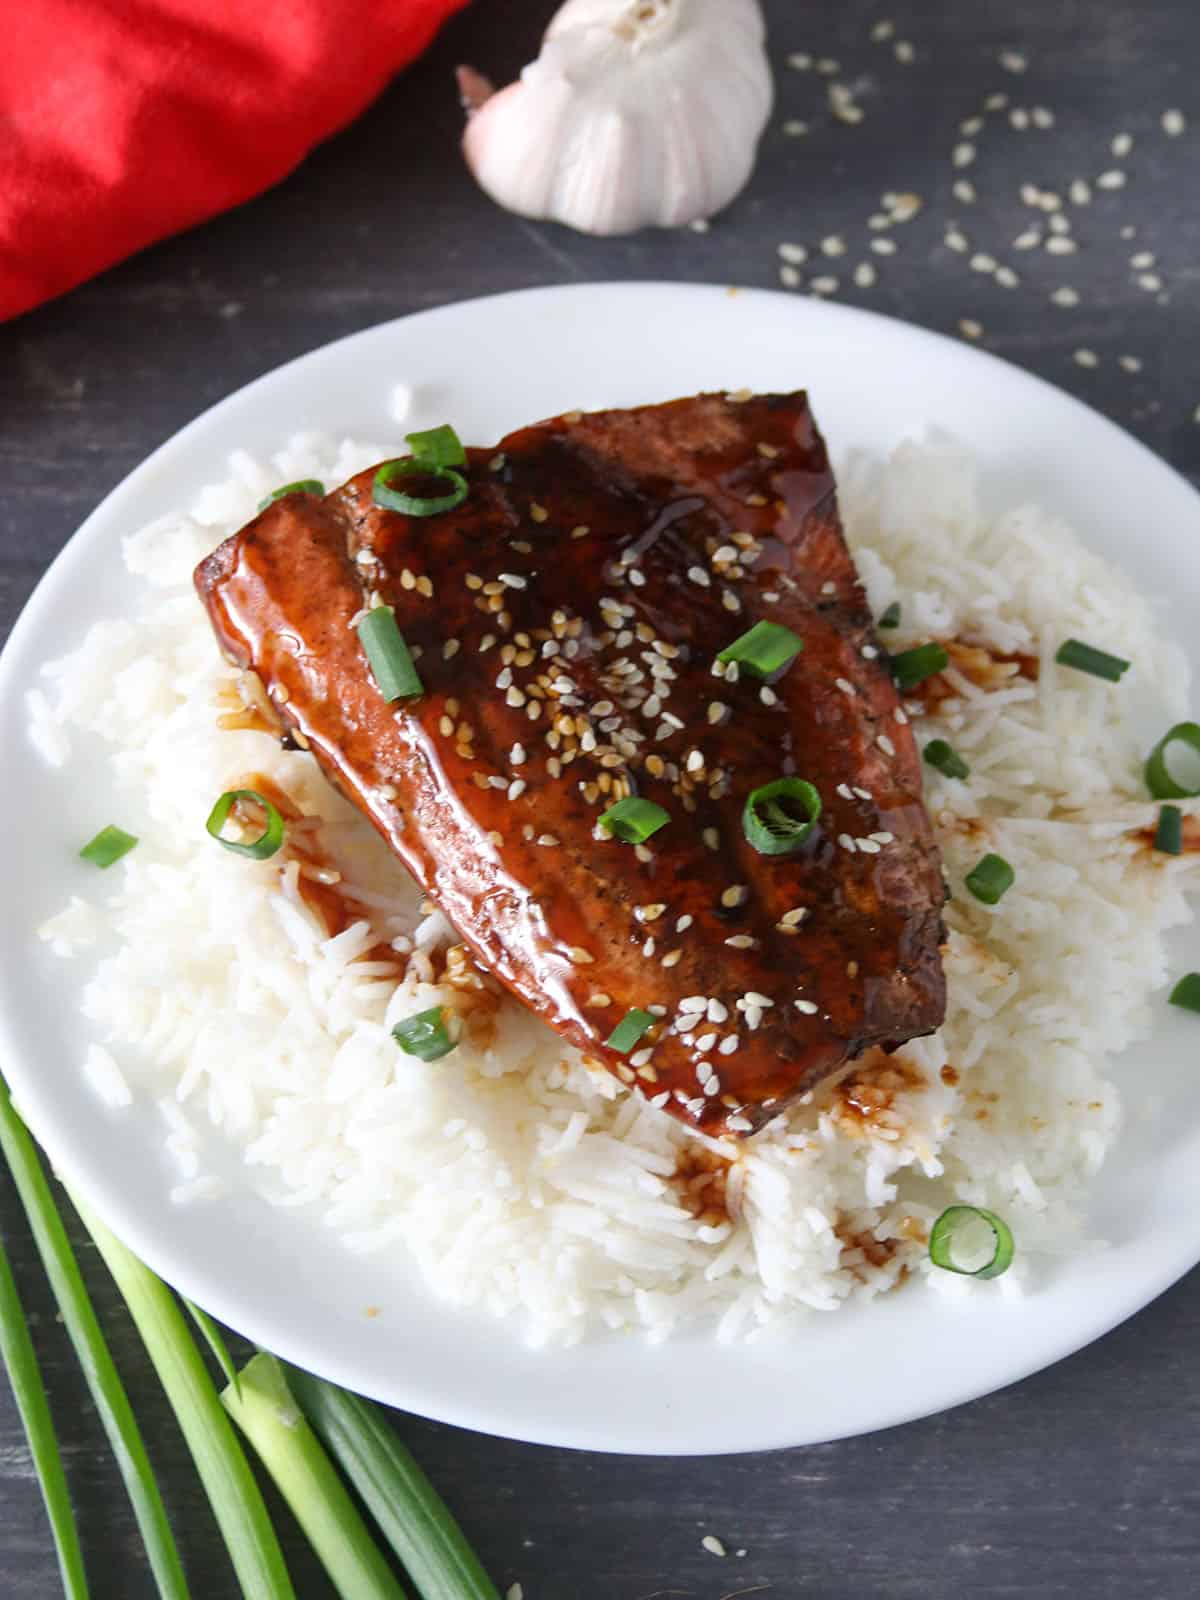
(1082, 1481)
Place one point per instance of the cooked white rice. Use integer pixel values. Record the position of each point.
(516, 1179)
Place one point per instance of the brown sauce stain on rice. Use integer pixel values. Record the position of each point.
(1191, 840)
(950, 1075)
(478, 998)
(699, 1180)
(864, 1101)
(984, 667)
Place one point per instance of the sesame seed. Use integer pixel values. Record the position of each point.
(717, 710)
(886, 745)
(650, 913)
(753, 998)
(865, 275)
(884, 247)
(705, 1042)
(1173, 123)
(728, 1045)
(1042, 116)
(795, 129)
(639, 1058)
(1013, 61)
(969, 328)
(1065, 296)
(1080, 192)
(795, 254)
(1114, 178)
(824, 285)
(1143, 260)
(1057, 245)
(957, 240)
(884, 837)
(1122, 144)
(740, 941)
(962, 155)
(846, 842)
(599, 1000)
(695, 760)
(1150, 281)
(800, 61)
(964, 191)
(711, 838)
(516, 788)
(982, 262)
(699, 576)
(425, 587)
(845, 686)
(833, 245)
(514, 697)
(1129, 363)
(1019, 118)
(904, 52)
(1007, 278)
(548, 841)
(1086, 358)
(868, 846)
(796, 915)
(806, 1006)
(514, 580)
(736, 895)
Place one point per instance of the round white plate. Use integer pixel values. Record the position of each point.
(281, 1279)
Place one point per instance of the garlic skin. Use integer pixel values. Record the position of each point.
(636, 113)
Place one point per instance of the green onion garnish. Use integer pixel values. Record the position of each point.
(912, 667)
(891, 617)
(628, 1031)
(305, 486)
(953, 1221)
(391, 662)
(633, 821)
(1086, 659)
(418, 505)
(1186, 993)
(411, 1514)
(768, 817)
(424, 1035)
(109, 845)
(765, 649)
(268, 841)
(1169, 835)
(437, 447)
(991, 880)
(946, 759)
(1158, 774)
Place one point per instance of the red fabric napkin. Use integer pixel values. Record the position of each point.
(122, 121)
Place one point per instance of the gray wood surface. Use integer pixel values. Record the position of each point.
(1084, 1480)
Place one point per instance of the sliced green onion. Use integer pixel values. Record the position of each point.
(764, 649)
(25, 1380)
(628, 1031)
(891, 617)
(418, 505)
(633, 820)
(437, 447)
(1168, 836)
(79, 1319)
(214, 1339)
(412, 1515)
(268, 841)
(109, 845)
(952, 1222)
(220, 1461)
(389, 655)
(946, 759)
(424, 1035)
(304, 486)
(1186, 993)
(270, 1418)
(991, 880)
(1084, 658)
(1161, 784)
(912, 667)
(768, 818)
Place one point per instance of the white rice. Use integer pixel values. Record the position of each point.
(517, 1180)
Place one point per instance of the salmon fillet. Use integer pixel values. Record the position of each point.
(566, 621)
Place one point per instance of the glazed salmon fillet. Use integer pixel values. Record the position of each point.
(566, 621)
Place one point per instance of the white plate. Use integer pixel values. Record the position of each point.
(277, 1276)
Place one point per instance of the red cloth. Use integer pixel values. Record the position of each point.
(122, 121)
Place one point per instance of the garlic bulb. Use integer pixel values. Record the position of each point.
(636, 112)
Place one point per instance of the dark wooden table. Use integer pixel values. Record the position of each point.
(1082, 1481)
